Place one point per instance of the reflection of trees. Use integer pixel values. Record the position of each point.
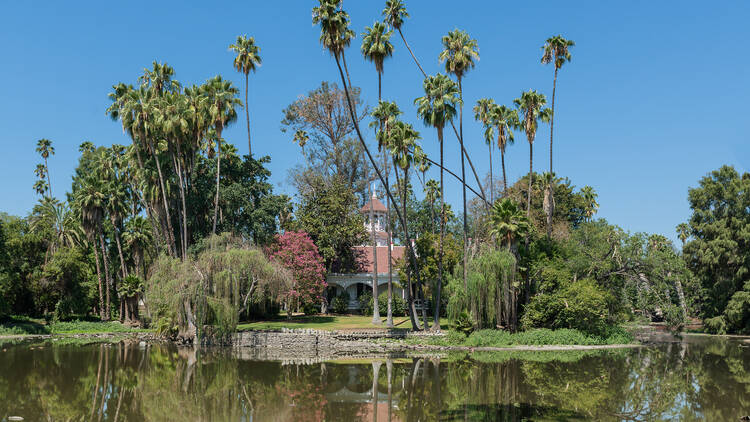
(698, 379)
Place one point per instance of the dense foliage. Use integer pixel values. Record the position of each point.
(297, 253)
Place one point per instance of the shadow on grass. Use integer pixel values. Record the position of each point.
(14, 326)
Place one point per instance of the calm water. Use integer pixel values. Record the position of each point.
(698, 379)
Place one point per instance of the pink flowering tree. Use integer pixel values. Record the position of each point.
(297, 252)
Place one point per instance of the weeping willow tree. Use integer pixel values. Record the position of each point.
(491, 293)
(202, 298)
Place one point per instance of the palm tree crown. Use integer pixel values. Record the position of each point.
(508, 222)
(335, 34)
(248, 54)
(438, 105)
(395, 13)
(376, 44)
(531, 108)
(459, 53)
(557, 49)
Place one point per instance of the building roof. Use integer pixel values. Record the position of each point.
(365, 257)
(376, 205)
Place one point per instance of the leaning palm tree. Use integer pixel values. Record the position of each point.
(395, 13)
(45, 149)
(222, 97)
(504, 119)
(247, 60)
(531, 108)
(459, 53)
(483, 113)
(556, 50)
(436, 108)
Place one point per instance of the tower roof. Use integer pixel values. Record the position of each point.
(376, 205)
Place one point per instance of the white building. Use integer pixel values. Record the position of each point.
(358, 283)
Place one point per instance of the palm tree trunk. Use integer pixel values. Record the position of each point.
(463, 175)
(247, 115)
(170, 232)
(107, 313)
(492, 179)
(442, 234)
(389, 239)
(218, 173)
(375, 308)
(505, 177)
(531, 167)
(99, 279)
(180, 180)
(412, 53)
(49, 182)
(552, 120)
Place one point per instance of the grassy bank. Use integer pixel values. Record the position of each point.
(535, 337)
(28, 326)
(329, 322)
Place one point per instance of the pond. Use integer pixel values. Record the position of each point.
(699, 378)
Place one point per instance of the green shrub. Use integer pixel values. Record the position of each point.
(463, 323)
(398, 305)
(365, 303)
(340, 304)
(455, 338)
(582, 305)
(716, 325)
(310, 308)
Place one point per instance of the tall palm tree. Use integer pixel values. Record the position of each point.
(504, 119)
(436, 108)
(222, 97)
(376, 47)
(384, 115)
(40, 187)
(556, 50)
(432, 193)
(45, 149)
(531, 109)
(548, 183)
(394, 14)
(335, 36)
(90, 202)
(137, 237)
(483, 113)
(247, 60)
(589, 201)
(459, 53)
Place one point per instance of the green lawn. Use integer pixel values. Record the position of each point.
(328, 322)
(25, 326)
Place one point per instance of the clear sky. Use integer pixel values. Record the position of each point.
(654, 98)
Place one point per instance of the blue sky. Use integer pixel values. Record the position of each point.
(653, 100)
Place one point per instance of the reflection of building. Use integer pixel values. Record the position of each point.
(358, 283)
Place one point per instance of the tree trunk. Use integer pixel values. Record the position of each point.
(531, 166)
(552, 121)
(492, 179)
(170, 232)
(389, 239)
(463, 178)
(107, 313)
(99, 278)
(412, 53)
(247, 116)
(401, 216)
(442, 234)
(375, 308)
(505, 177)
(218, 173)
(681, 296)
(49, 182)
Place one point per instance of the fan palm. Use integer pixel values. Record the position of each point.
(376, 47)
(531, 109)
(483, 113)
(45, 149)
(509, 223)
(504, 119)
(459, 53)
(436, 108)
(137, 238)
(301, 137)
(40, 187)
(432, 193)
(683, 232)
(222, 99)
(90, 201)
(556, 50)
(247, 60)
(394, 14)
(548, 183)
(589, 201)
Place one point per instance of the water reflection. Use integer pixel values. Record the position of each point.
(698, 379)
